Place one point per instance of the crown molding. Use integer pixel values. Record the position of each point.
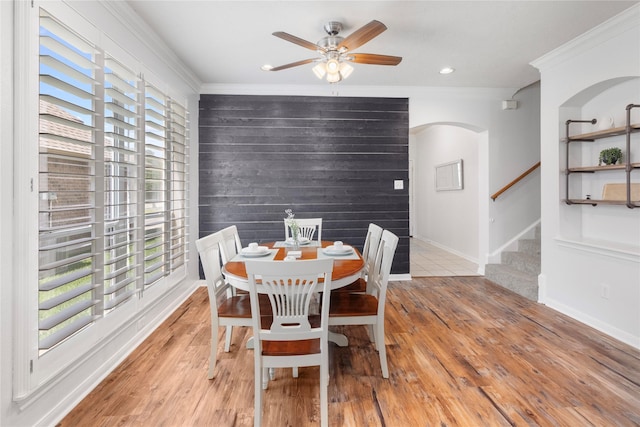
(626, 20)
(143, 32)
(359, 91)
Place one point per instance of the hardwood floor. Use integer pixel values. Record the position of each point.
(462, 352)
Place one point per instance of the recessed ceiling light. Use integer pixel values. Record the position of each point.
(266, 67)
(447, 70)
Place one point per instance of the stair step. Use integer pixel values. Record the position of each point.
(522, 261)
(522, 283)
(519, 269)
(530, 246)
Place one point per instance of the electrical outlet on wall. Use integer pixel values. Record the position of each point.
(605, 291)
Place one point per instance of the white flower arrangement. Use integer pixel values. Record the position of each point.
(293, 225)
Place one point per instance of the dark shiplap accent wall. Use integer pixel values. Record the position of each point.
(329, 157)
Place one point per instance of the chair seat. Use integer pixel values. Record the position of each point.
(359, 285)
(290, 348)
(345, 304)
(239, 306)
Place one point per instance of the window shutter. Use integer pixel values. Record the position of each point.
(156, 223)
(67, 215)
(113, 185)
(121, 162)
(179, 178)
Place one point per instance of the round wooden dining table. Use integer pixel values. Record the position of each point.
(345, 271)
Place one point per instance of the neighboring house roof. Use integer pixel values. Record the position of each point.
(54, 128)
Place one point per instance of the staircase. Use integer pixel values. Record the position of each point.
(519, 269)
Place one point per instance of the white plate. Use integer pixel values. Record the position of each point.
(261, 251)
(331, 250)
(301, 241)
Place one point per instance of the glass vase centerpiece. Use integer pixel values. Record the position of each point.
(291, 222)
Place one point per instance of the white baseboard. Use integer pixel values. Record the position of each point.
(606, 328)
(495, 257)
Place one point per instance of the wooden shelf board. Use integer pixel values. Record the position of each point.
(603, 133)
(601, 202)
(603, 168)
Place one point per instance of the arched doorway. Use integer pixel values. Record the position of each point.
(448, 227)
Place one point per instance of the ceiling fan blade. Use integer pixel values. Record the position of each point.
(293, 64)
(362, 35)
(372, 58)
(297, 40)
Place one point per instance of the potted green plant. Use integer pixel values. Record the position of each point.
(610, 156)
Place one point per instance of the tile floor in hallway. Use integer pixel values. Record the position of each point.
(430, 260)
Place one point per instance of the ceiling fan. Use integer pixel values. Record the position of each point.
(336, 51)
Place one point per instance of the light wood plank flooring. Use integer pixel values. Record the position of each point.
(462, 352)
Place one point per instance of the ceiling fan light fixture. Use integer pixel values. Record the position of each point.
(333, 66)
(345, 70)
(334, 77)
(320, 70)
(334, 50)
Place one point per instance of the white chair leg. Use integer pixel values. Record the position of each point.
(295, 372)
(272, 374)
(214, 349)
(372, 333)
(382, 350)
(265, 377)
(227, 338)
(324, 387)
(257, 407)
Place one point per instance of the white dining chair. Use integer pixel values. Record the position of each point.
(227, 310)
(309, 228)
(231, 244)
(369, 251)
(349, 308)
(291, 336)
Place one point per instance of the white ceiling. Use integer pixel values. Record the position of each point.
(489, 43)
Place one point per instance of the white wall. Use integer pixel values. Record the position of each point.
(590, 255)
(448, 219)
(514, 148)
(47, 398)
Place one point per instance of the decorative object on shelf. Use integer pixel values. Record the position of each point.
(618, 191)
(293, 225)
(610, 156)
(605, 122)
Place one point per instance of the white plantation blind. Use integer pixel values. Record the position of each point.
(179, 177)
(67, 214)
(112, 184)
(121, 177)
(156, 208)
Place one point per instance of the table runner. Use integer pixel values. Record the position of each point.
(283, 244)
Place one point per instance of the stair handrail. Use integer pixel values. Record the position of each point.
(515, 181)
